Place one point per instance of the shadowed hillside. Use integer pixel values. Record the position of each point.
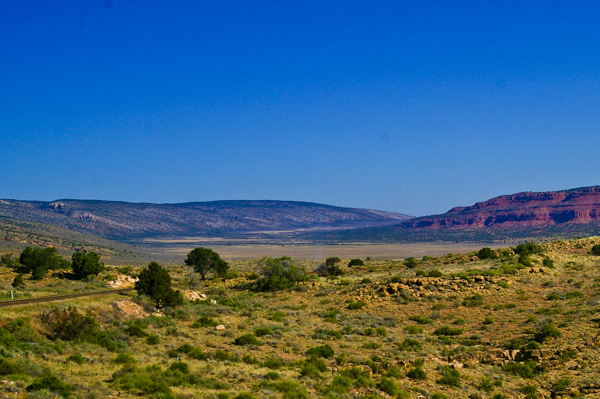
(123, 220)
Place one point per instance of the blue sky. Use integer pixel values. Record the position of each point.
(412, 107)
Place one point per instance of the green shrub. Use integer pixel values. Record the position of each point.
(326, 334)
(595, 250)
(272, 375)
(274, 363)
(204, 321)
(244, 395)
(324, 351)
(279, 274)
(124, 358)
(529, 248)
(250, 359)
(561, 385)
(155, 282)
(51, 383)
(247, 339)
(225, 356)
(421, 319)
(18, 281)
(410, 263)
(413, 329)
(182, 367)
(153, 339)
(530, 391)
(356, 262)
(78, 359)
(313, 367)
(438, 395)
(339, 386)
(197, 354)
(185, 348)
(362, 378)
(356, 305)
(435, 273)
(555, 296)
(473, 301)
(68, 323)
(262, 331)
(136, 329)
(149, 381)
(488, 320)
(416, 373)
(486, 253)
(7, 367)
(527, 369)
(545, 330)
(448, 331)
(410, 345)
(504, 284)
(450, 377)
(574, 294)
(390, 386)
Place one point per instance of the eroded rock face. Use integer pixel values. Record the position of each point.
(519, 210)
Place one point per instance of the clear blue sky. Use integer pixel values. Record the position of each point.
(413, 106)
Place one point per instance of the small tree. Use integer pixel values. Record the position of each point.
(411, 262)
(18, 282)
(155, 282)
(279, 274)
(356, 262)
(596, 250)
(86, 264)
(331, 268)
(205, 260)
(486, 253)
(38, 261)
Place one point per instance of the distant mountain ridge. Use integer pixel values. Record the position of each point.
(566, 213)
(125, 220)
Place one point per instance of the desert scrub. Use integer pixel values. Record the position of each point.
(413, 329)
(247, 339)
(448, 331)
(450, 377)
(410, 345)
(326, 334)
(356, 305)
(262, 331)
(527, 369)
(416, 373)
(51, 383)
(313, 367)
(545, 330)
(324, 351)
(204, 321)
(421, 319)
(473, 301)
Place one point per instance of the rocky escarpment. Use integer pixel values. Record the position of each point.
(528, 209)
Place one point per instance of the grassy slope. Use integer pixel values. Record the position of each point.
(16, 234)
(371, 338)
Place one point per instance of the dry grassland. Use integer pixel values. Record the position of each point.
(492, 328)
